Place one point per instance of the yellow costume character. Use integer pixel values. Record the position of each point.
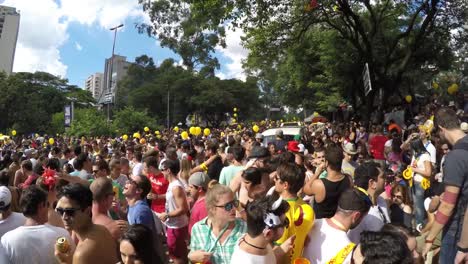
(301, 219)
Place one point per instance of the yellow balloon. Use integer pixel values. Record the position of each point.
(235, 109)
(234, 120)
(125, 137)
(192, 130)
(157, 132)
(206, 132)
(316, 114)
(13, 132)
(198, 131)
(142, 141)
(435, 85)
(452, 88)
(184, 135)
(408, 98)
(136, 135)
(176, 129)
(44, 145)
(235, 115)
(146, 129)
(51, 141)
(255, 128)
(158, 136)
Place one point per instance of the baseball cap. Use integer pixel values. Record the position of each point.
(5, 197)
(279, 133)
(199, 179)
(354, 200)
(293, 146)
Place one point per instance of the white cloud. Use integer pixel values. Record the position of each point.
(106, 13)
(78, 47)
(44, 24)
(235, 52)
(40, 36)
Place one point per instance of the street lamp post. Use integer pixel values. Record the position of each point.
(111, 70)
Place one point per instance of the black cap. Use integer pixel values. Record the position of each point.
(354, 200)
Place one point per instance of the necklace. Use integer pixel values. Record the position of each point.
(338, 224)
(254, 246)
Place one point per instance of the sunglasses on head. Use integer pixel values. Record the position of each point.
(285, 224)
(229, 205)
(67, 211)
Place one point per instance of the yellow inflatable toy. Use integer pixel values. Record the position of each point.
(301, 219)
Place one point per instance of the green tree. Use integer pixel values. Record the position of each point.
(400, 40)
(129, 120)
(89, 122)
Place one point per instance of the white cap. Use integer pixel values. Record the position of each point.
(5, 197)
(464, 127)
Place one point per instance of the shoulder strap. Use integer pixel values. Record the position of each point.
(342, 254)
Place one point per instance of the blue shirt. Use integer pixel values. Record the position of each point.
(140, 213)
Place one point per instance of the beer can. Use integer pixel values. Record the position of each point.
(62, 244)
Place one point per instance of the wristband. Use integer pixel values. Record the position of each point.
(464, 250)
(427, 241)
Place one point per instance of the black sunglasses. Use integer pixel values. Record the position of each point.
(229, 206)
(67, 211)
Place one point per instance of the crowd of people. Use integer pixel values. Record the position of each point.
(336, 193)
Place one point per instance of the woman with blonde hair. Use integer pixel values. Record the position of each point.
(213, 239)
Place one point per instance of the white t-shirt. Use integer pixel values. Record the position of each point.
(420, 165)
(33, 244)
(240, 256)
(373, 221)
(171, 205)
(3, 256)
(432, 151)
(137, 169)
(325, 243)
(13, 221)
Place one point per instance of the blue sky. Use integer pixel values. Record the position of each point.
(70, 38)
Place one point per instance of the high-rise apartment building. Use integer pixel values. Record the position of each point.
(9, 27)
(117, 68)
(94, 84)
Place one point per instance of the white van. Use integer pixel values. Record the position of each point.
(288, 134)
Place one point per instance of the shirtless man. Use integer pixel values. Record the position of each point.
(258, 157)
(95, 242)
(103, 195)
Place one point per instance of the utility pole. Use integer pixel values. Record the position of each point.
(111, 71)
(168, 106)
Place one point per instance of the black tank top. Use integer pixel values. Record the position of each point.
(333, 190)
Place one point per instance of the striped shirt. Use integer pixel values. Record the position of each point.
(203, 239)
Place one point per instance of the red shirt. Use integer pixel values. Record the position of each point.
(377, 146)
(198, 213)
(159, 185)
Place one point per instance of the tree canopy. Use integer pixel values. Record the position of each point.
(315, 49)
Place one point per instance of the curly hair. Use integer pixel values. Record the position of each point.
(384, 248)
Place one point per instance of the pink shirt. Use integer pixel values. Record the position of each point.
(198, 213)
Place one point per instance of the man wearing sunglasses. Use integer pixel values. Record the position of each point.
(370, 178)
(34, 240)
(95, 241)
